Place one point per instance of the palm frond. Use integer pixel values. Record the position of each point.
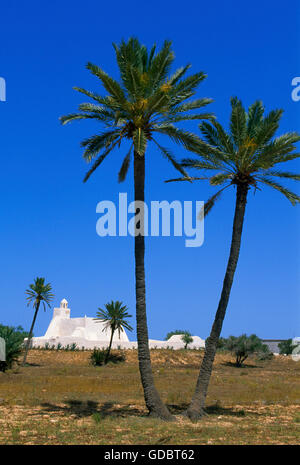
(291, 196)
(238, 126)
(110, 84)
(210, 203)
(107, 101)
(255, 117)
(125, 165)
(161, 65)
(199, 116)
(179, 136)
(201, 164)
(194, 105)
(190, 178)
(97, 142)
(220, 178)
(100, 160)
(268, 127)
(179, 73)
(74, 116)
(166, 153)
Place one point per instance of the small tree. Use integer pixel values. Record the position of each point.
(114, 318)
(13, 338)
(187, 339)
(176, 332)
(38, 292)
(222, 343)
(286, 347)
(243, 346)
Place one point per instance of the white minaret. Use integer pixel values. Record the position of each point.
(63, 311)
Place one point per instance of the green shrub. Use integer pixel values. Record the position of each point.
(221, 346)
(174, 333)
(97, 357)
(264, 353)
(187, 339)
(244, 345)
(14, 338)
(286, 347)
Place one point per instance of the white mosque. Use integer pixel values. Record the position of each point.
(89, 333)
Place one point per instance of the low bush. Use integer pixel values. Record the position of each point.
(221, 346)
(14, 338)
(97, 357)
(176, 332)
(286, 347)
(244, 345)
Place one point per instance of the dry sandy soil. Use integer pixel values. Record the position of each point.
(60, 398)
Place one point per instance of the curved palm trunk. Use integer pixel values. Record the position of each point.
(153, 402)
(196, 408)
(109, 347)
(30, 333)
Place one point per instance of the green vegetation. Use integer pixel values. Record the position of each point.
(187, 339)
(14, 338)
(114, 318)
(38, 293)
(286, 347)
(101, 357)
(244, 345)
(175, 333)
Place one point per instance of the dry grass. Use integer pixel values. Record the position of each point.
(61, 399)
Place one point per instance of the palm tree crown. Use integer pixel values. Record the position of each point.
(144, 102)
(114, 317)
(39, 292)
(247, 154)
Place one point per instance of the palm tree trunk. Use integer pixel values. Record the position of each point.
(196, 408)
(30, 333)
(153, 402)
(109, 347)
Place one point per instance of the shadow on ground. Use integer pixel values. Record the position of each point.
(214, 409)
(81, 409)
(243, 366)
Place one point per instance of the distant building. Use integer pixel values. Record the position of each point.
(273, 344)
(85, 332)
(89, 333)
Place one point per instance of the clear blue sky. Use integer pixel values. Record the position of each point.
(48, 217)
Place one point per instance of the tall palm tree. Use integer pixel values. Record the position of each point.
(244, 158)
(38, 293)
(114, 318)
(145, 101)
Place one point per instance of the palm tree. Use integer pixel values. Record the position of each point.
(114, 318)
(38, 293)
(145, 101)
(243, 158)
